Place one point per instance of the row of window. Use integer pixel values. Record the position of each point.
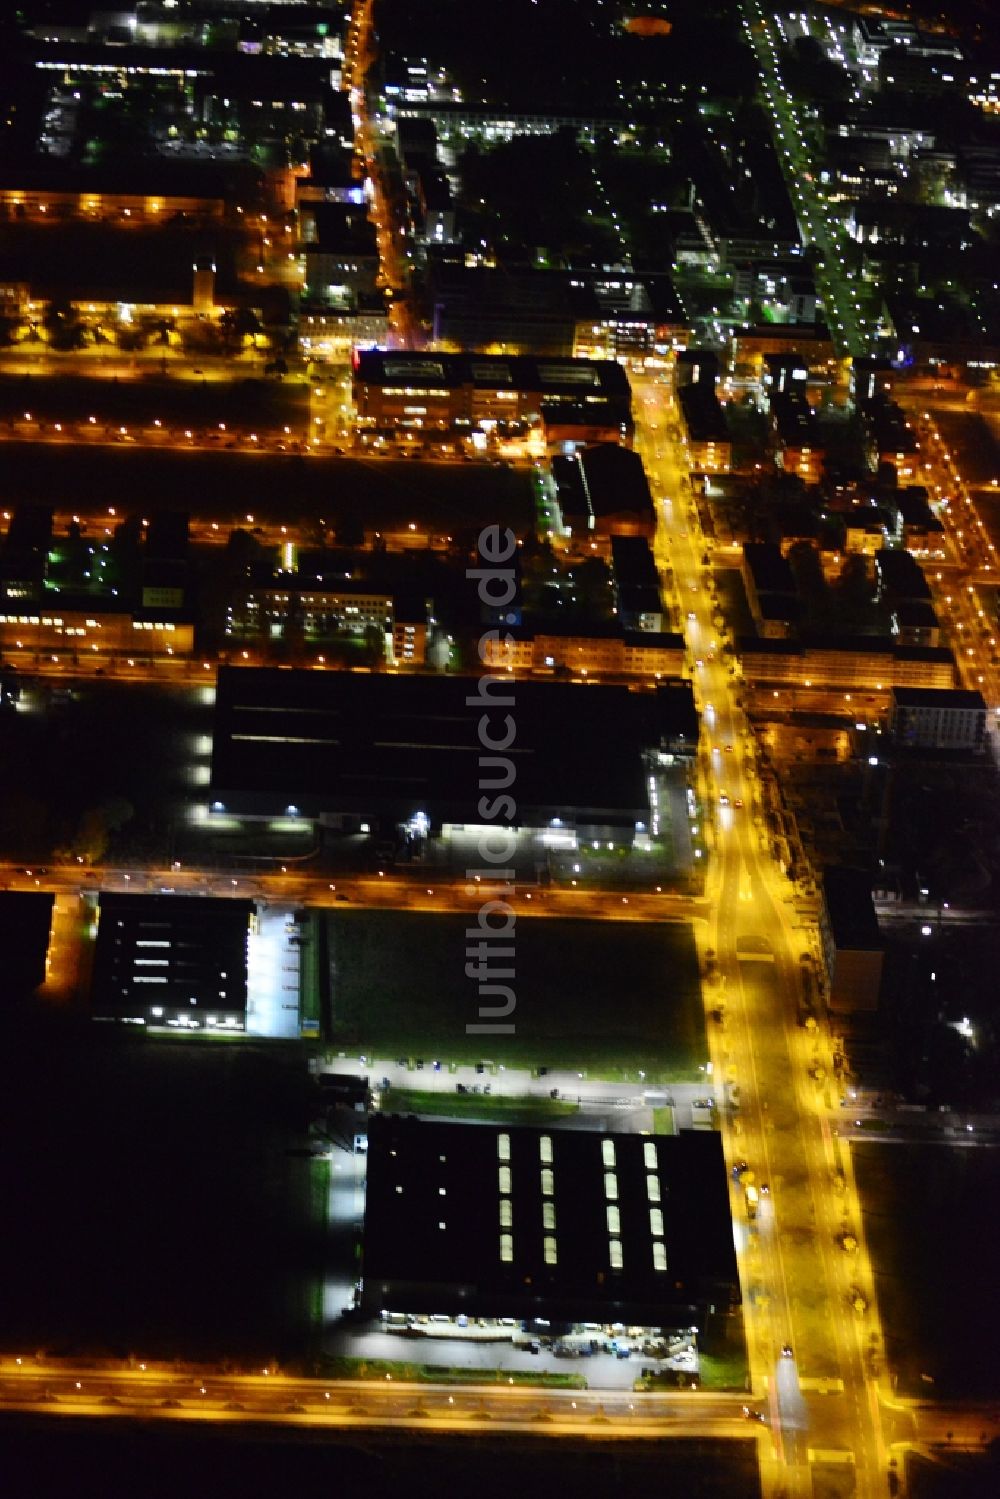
(91, 624)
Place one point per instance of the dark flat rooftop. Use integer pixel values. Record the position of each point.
(353, 741)
(795, 419)
(25, 923)
(771, 572)
(572, 377)
(603, 479)
(703, 415)
(633, 563)
(533, 1223)
(884, 645)
(848, 896)
(176, 951)
(940, 697)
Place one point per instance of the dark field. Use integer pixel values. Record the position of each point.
(67, 753)
(149, 1205)
(244, 405)
(930, 1220)
(108, 1459)
(607, 997)
(281, 487)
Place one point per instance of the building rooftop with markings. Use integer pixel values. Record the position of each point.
(566, 1226)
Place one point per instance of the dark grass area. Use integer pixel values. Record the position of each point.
(476, 1106)
(723, 1349)
(930, 1220)
(280, 487)
(605, 997)
(113, 1458)
(71, 750)
(149, 1203)
(381, 1368)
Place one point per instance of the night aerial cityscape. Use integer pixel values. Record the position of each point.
(500, 723)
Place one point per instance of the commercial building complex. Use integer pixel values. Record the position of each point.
(704, 421)
(301, 607)
(586, 651)
(771, 590)
(456, 392)
(941, 720)
(869, 660)
(603, 492)
(568, 314)
(172, 961)
(565, 1226)
(353, 750)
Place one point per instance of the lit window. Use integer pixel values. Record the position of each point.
(506, 1248)
(659, 1256)
(656, 1222)
(506, 1213)
(504, 1175)
(548, 1215)
(649, 1155)
(653, 1188)
(615, 1253)
(611, 1186)
(608, 1152)
(548, 1182)
(549, 1250)
(545, 1149)
(503, 1147)
(614, 1220)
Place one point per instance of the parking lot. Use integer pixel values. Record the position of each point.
(504, 1348)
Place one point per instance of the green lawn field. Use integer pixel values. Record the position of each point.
(607, 998)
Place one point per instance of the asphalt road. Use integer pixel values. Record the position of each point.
(389, 891)
(794, 1276)
(192, 1394)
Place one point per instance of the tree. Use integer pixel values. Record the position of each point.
(752, 510)
(238, 323)
(58, 311)
(854, 596)
(592, 584)
(61, 321)
(242, 550)
(374, 648)
(96, 825)
(349, 528)
(538, 567)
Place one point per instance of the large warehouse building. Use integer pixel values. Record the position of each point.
(172, 960)
(459, 392)
(569, 1226)
(349, 748)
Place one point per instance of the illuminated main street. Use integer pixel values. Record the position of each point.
(795, 1277)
